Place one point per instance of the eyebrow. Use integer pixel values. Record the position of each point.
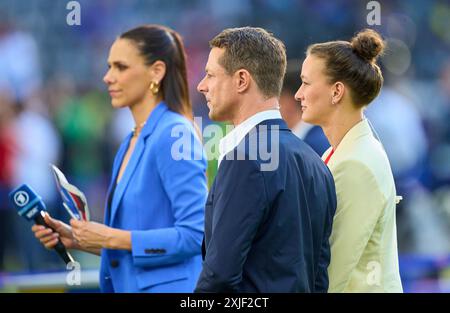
(117, 63)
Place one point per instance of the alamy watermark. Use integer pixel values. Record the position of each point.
(74, 16)
(374, 16)
(73, 278)
(261, 143)
(374, 275)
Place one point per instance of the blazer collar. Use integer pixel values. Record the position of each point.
(139, 148)
(361, 129)
(153, 119)
(275, 122)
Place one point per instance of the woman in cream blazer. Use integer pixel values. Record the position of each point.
(339, 79)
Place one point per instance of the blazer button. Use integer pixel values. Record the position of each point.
(114, 263)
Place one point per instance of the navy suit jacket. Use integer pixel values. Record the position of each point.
(268, 230)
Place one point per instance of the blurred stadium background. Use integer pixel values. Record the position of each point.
(54, 108)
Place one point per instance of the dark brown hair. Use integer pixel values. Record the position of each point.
(156, 42)
(354, 63)
(257, 51)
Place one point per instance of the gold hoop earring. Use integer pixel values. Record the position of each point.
(154, 87)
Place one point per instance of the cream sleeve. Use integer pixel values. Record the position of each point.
(359, 206)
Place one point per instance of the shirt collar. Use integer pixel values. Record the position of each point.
(234, 137)
(362, 128)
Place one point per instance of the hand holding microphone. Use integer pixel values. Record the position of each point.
(30, 206)
(49, 236)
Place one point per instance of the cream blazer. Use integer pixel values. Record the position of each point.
(363, 241)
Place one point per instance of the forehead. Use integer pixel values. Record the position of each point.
(312, 65)
(214, 57)
(124, 49)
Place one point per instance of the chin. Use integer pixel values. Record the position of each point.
(217, 117)
(212, 116)
(116, 104)
(308, 119)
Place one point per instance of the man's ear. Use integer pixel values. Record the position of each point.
(337, 92)
(157, 71)
(243, 80)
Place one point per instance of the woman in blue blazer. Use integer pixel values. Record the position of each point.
(151, 240)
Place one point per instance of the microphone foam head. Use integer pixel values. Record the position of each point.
(26, 201)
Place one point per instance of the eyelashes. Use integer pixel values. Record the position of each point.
(120, 67)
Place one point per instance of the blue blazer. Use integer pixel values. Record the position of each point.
(268, 230)
(160, 199)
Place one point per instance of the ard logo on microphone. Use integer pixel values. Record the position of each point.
(21, 198)
(30, 214)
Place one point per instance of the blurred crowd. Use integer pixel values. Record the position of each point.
(54, 108)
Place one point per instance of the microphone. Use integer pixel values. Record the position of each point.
(30, 206)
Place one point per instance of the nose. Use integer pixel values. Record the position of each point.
(299, 96)
(108, 79)
(201, 87)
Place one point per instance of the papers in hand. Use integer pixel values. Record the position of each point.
(74, 200)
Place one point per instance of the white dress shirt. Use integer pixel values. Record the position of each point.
(232, 139)
(301, 129)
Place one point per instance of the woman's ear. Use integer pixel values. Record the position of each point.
(337, 92)
(157, 71)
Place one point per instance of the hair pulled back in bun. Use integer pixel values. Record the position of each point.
(368, 44)
(354, 64)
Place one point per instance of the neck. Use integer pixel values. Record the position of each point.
(141, 110)
(290, 110)
(293, 122)
(338, 126)
(250, 108)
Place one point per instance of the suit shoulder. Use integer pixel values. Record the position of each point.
(171, 118)
(295, 145)
(172, 124)
(367, 159)
(368, 151)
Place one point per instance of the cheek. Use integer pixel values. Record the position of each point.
(210, 87)
(136, 89)
(214, 91)
(134, 79)
(314, 95)
(226, 89)
(314, 98)
(221, 92)
(216, 86)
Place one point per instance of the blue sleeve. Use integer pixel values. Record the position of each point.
(239, 205)
(321, 281)
(181, 165)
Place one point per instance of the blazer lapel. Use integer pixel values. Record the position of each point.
(135, 157)
(115, 170)
(357, 131)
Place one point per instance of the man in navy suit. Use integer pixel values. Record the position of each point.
(269, 212)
